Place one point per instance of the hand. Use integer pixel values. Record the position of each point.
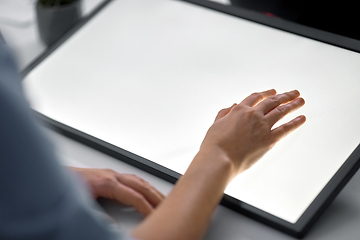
(244, 131)
(239, 136)
(125, 188)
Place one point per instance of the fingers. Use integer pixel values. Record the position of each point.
(150, 193)
(223, 112)
(280, 111)
(274, 101)
(125, 188)
(283, 130)
(255, 98)
(274, 107)
(132, 198)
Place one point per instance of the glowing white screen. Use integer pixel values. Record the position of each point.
(149, 76)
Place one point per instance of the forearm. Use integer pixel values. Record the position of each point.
(186, 212)
(239, 137)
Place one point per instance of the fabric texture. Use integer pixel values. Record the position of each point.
(39, 198)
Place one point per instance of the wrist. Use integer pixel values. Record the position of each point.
(216, 161)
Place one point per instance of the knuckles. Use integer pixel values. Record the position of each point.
(110, 171)
(276, 99)
(282, 109)
(257, 96)
(145, 188)
(253, 114)
(108, 182)
(138, 199)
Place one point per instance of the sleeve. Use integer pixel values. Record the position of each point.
(39, 199)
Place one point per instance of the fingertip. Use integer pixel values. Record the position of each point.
(283, 130)
(271, 91)
(301, 119)
(144, 210)
(300, 101)
(297, 92)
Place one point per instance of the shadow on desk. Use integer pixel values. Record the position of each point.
(127, 218)
(340, 221)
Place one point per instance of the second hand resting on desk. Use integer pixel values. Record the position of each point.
(239, 137)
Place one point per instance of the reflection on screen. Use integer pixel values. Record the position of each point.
(150, 76)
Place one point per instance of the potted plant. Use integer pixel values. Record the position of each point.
(55, 17)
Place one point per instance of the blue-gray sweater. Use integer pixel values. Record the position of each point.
(39, 199)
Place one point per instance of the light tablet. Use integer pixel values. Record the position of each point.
(144, 79)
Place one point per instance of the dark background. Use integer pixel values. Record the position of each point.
(340, 17)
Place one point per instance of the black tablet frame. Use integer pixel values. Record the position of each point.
(324, 198)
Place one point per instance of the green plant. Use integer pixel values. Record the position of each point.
(53, 3)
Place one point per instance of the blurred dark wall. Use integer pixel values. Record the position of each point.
(340, 17)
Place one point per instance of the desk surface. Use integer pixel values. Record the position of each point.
(340, 221)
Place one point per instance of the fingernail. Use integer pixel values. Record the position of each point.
(301, 117)
(300, 100)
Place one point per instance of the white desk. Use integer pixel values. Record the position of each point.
(341, 221)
